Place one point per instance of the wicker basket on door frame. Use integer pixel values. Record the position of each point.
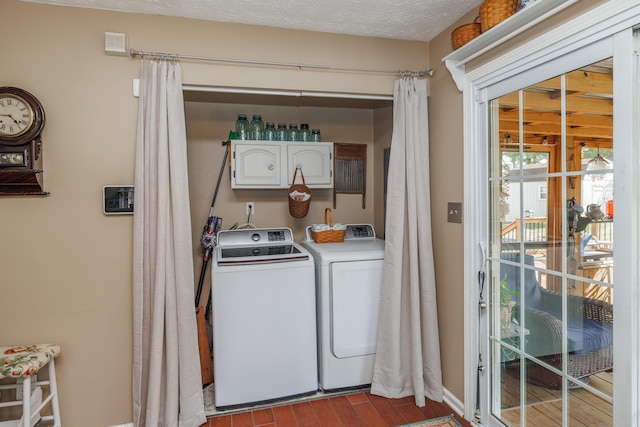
(331, 235)
(298, 208)
(493, 12)
(465, 33)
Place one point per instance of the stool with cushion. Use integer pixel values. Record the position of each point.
(22, 363)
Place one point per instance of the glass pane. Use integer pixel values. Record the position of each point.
(510, 390)
(534, 191)
(522, 209)
(589, 107)
(544, 402)
(542, 121)
(588, 407)
(551, 231)
(508, 215)
(589, 329)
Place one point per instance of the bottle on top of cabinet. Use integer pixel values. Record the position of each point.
(315, 135)
(270, 132)
(242, 127)
(256, 127)
(305, 133)
(294, 132)
(281, 132)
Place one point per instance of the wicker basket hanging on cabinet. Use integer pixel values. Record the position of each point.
(465, 33)
(493, 12)
(299, 197)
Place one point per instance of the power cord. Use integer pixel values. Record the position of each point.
(248, 223)
(250, 213)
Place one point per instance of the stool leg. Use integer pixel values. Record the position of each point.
(53, 389)
(26, 402)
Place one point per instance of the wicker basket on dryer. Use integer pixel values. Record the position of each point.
(330, 235)
(465, 33)
(493, 12)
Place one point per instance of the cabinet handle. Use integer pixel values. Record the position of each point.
(270, 167)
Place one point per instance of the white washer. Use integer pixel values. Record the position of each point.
(264, 319)
(348, 280)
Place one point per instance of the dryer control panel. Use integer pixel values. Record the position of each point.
(359, 231)
(255, 236)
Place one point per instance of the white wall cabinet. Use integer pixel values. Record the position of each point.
(256, 165)
(272, 164)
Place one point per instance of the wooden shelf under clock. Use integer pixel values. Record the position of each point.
(21, 182)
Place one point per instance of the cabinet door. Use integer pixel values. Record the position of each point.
(315, 160)
(256, 165)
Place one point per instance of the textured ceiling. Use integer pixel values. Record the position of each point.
(395, 19)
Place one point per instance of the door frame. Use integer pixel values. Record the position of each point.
(611, 23)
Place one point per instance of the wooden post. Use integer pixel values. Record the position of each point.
(206, 363)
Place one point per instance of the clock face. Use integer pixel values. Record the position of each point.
(16, 115)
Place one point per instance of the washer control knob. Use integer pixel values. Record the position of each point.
(255, 237)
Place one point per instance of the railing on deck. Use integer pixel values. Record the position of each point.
(534, 230)
(602, 231)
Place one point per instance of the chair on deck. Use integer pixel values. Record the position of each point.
(589, 328)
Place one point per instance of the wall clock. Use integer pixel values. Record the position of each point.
(21, 116)
(21, 122)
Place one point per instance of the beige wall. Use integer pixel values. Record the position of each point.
(446, 138)
(66, 267)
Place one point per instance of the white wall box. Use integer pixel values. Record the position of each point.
(261, 164)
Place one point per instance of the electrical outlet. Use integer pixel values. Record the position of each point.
(250, 209)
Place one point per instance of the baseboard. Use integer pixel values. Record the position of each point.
(123, 425)
(456, 405)
(453, 402)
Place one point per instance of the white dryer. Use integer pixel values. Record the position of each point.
(348, 280)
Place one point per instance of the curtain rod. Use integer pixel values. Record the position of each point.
(285, 92)
(173, 56)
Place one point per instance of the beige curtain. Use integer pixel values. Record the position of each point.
(167, 386)
(407, 358)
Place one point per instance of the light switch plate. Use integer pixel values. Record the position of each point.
(454, 212)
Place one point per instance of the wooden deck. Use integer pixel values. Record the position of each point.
(543, 406)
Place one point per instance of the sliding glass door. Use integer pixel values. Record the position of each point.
(551, 250)
(552, 231)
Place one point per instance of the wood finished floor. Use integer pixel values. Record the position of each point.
(544, 406)
(358, 410)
